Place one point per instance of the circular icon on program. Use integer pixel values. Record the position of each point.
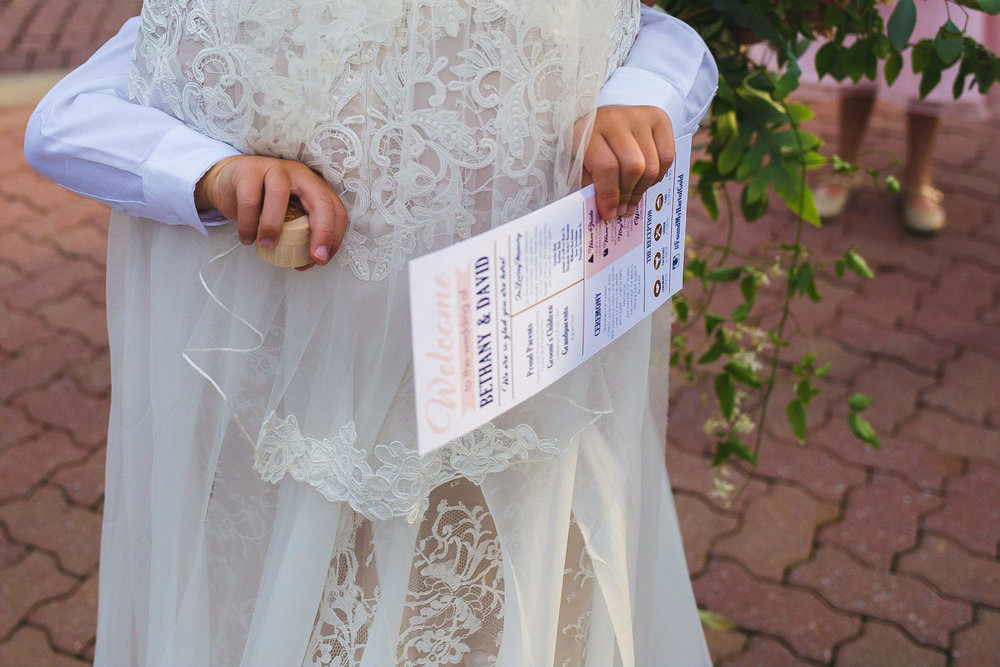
(657, 288)
(659, 201)
(657, 260)
(658, 231)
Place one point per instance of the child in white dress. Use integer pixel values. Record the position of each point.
(265, 504)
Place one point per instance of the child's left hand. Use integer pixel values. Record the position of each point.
(630, 149)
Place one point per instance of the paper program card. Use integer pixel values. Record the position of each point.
(504, 314)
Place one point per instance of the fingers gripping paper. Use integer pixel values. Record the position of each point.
(500, 316)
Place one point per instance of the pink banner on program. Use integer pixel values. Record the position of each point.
(609, 241)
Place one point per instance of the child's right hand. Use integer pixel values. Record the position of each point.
(254, 191)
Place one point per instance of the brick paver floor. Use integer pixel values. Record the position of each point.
(56, 34)
(833, 554)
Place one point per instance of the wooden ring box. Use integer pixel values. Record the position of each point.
(292, 247)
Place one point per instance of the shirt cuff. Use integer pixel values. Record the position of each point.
(632, 86)
(173, 169)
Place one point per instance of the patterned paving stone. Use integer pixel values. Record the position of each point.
(808, 625)
(94, 375)
(971, 512)
(854, 588)
(10, 551)
(695, 474)
(901, 346)
(80, 315)
(700, 525)
(20, 330)
(45, 286)
(85, 241)
(29, 647)
(687, 415)
(969, 387)
(955, 571)
(47, 521)
(895, 389)
(887, 300)
(25, 464)
(979, 645)
(810, 466)
(72, 229)
(27, 256)
(765, 652)
(880, 521)
(83, 483)
(38, 194)
(16, 425)
(64, 406)
(43, 362)
(918, 463)
(71, 621)
(883, 644)
(778, 531)
(8, 275)
(34, 579)
(950, 436)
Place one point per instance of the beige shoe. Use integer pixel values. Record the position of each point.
(923, 214)
(834, 192)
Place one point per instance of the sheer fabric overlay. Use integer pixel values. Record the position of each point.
(265, 504)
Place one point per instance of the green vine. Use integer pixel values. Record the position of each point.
(757, 147)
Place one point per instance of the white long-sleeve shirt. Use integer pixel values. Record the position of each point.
(87, 136)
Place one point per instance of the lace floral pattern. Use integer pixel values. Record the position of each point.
(428, 117)
(349, 602)
(455, 602)
(395, 480)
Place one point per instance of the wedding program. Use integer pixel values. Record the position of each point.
(502, 315)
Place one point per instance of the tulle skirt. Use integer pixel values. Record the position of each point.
(546, 538)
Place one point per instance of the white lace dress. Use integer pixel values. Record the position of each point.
(265, 504)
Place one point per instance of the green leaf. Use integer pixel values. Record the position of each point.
(752, 209)
(893, 66)
(803, 278)
(799, 113)
(757, 187)
(748, 288)
(730, 156)
(725, 391)
(822, 370)
(712, 321)
(901, 23)
(859, 402)
(725, 274)
(709, 197)
(733, 447)
(804, 391)
(751, 161)
(714, 621)
(741, 312)
(948, 43)
(788, 82)
(892, 184)
(856, 60)
(681, 308)
(989, 6)
(826, 58)
(862, 430)
(856, 263)
(796, 413)
(743, 374)
(920, 56)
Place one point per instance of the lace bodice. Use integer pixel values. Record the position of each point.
(431, 118)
